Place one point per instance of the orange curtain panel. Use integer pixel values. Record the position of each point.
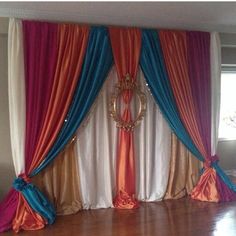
(126, 45)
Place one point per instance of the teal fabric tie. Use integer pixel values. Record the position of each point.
(35, 198)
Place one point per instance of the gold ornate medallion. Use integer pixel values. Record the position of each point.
(122, 86)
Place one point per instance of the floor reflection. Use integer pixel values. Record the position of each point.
(184, 217)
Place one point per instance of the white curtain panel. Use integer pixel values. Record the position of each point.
(97, 146)
(16, 90)
(153, 151)
(215, 52)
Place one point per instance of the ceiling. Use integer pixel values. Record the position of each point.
(206, 16)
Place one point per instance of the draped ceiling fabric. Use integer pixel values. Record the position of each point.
(65, 66)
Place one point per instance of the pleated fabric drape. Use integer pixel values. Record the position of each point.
(174, 47)
(126, 45)
(70, 46)
(16, 91)
(153, 65)
(96, 65)
(16, 85)
(184, 170)
(215, 58)
(96, 151)
(153, 150)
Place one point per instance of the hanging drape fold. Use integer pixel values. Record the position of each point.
(152, 149)
(184, 170)
(40, 44)
(174, 49)
(126, 44)
(16, 91)
(153, 67)
(215, 61)
(97, 63)
(72, 43)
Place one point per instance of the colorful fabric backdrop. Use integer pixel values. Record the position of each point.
(55, 74)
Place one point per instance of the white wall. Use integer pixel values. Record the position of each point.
(227, 153)
(6, 164)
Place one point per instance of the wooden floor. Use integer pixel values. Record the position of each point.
(167, 218)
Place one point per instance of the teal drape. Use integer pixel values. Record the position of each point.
(97, 63)
(36, 199)
(153, 67)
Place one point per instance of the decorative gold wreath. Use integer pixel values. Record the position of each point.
(120, 87)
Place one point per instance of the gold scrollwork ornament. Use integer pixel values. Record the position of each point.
(122, 86)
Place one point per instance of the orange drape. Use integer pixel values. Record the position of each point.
(206, 189)
(126, 45)
(174, 48)
(26, 218)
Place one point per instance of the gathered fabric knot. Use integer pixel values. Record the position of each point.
(21, 182)
(210, 160)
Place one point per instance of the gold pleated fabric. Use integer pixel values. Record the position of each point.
(60, 182)
(184, 170)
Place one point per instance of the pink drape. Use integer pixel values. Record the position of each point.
(40, 55)
(8, 210)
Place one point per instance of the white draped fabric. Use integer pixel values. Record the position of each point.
(96, 147)
(16, 90)
(215, 53)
